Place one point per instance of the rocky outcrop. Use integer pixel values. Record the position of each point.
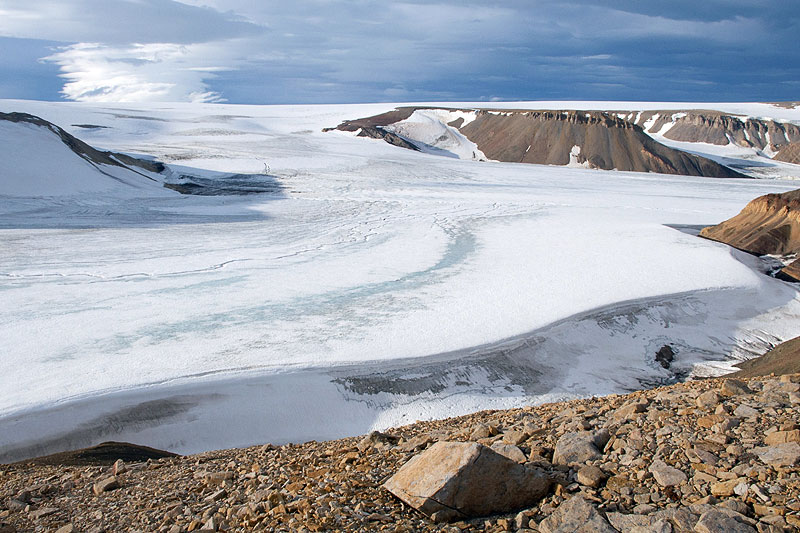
(717, 128)
(782, 359)
(591, 139)
(769, 224)
(712, 455)
(85, 151)
(789, 154)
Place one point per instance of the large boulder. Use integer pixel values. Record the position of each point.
(455, 480)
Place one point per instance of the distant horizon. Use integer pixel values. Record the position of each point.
(338, 52)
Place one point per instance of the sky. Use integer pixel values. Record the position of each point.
(346, 51)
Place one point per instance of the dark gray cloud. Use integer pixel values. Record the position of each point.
(365, 50)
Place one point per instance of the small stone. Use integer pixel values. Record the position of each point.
(218, 478)
(376, 438)
(629, 410)
(216, 496)
(105, 485)
(745, 411)
(44, 511)
(726, 488)
(69, 528)
(591, 476)
(665, 475)
(628, 522)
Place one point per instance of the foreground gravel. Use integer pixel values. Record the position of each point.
(711, 455)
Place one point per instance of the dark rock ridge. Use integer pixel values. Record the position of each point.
(770, 224)
(89, 153)
(201, 185)
(718, 128)
(104, 454)
(590, 138)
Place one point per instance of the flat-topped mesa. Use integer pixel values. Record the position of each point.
(589, 139)
(770, 224)
(713, 127)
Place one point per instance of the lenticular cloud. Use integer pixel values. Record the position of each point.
(135, 73)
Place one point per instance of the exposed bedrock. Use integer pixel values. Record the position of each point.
(770, 224)
(84, 150)
(718, 128)
(591, 139)
(603, 141)
(789, 154)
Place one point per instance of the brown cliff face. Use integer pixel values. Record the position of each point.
(718, 128)
(604, 140)
(769, 224)
(789, 154)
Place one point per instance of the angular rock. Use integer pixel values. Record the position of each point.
(457, 480)
(627, 522)
(780, 437)
(715, 521)
(119, 467)
(510, 451)
(44, 511)
(105, 485)
(726, 488)
(578, 447)
(630, 409)
(69, 528)
(591, 476)
(786, 454)
(745, 411)
(576, 515)
(734, 387)
(665, 475)
(708, 400)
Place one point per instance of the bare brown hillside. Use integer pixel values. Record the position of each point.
(594, 139)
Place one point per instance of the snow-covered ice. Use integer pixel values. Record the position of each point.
(376, 286)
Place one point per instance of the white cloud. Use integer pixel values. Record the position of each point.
(136, 73)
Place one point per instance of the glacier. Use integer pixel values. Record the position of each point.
(373, 287)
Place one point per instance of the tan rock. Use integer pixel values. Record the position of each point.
(456, 480)
(665, 475)
(708, 400)
(734, 387)
(576, 515)
(591, 476)
(105, 485)
(786, 454)
(780, 437)
(725, 488)
(578, 447)
(510, 451)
